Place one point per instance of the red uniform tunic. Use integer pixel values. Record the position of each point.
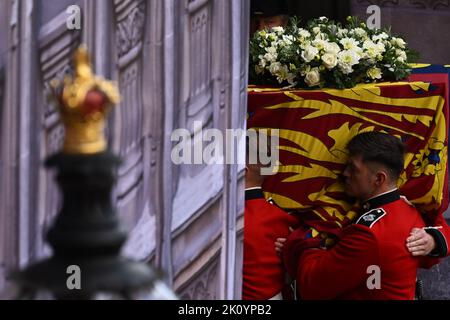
(376, 242)
(263, 272)
(440, 231)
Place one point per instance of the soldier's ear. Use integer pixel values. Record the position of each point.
(381, 177)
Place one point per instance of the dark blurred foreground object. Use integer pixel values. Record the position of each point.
(86, 237)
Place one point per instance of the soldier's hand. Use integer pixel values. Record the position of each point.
(279, 244)
(420, 243)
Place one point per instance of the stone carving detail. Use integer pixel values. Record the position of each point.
(197, 100)
(200, 77)
(420, 4)
(1, 87)
(431, 4)
(130, 29)
(381, 3)
(130, 19)
(204, 287)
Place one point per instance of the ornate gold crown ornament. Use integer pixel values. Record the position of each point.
(84, 102)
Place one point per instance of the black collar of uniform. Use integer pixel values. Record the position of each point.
(253, 194)
(380, 200)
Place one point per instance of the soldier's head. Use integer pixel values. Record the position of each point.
(261, 156)
(375, 163)
(267, 14)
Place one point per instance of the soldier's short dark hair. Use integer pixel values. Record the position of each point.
(380, 148)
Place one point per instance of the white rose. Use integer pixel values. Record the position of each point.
(312, 78)
(309, 53)
(374, 73)
(316, 30)
(329, 60)
(274, 68)
(332, 47)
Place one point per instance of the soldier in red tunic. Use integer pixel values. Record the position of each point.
(264, 276)
(371, 260)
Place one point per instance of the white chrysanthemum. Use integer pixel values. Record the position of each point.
(320, 44)
(349, 57)
(310, 53)
(360, 32)
(373, 50)
(374, 73)
(349, 43)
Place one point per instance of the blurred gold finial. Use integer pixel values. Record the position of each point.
(85, 102)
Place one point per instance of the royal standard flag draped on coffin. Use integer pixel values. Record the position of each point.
(315, 127)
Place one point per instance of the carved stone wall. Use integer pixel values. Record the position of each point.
(130, 21)
(173, 62)
(420, 21)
